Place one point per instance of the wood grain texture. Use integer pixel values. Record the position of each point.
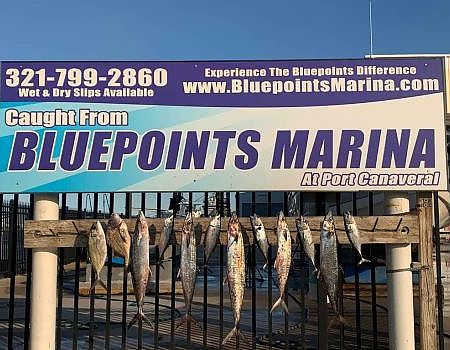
(427, 293)
(373, 229)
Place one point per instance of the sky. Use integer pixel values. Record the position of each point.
(219, 30)
(210, 30)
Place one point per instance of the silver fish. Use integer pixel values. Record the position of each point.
(97, 250)
(260, 237)
(235, 274)
(188, 267)
(329, 267)
(165, 237)
(118, 237)
(304, 232)
(212, 234)
(351, 229)
(283, 259)
(140, 266)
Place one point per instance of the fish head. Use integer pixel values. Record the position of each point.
(114, 220)
(93, 231)
(328, 225)
(187, 226)
(233, 227)
(215, 220)
(142, 220)
(168, 221)
(348, 218)
(99, 228)
(281, 223)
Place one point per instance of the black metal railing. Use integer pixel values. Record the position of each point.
(99, 321)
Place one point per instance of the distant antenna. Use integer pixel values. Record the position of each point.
(371, 28)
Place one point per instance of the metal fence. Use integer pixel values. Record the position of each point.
(99, 321)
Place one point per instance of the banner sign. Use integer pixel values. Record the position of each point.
(319, 125)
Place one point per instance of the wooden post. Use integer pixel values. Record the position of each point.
(426, 280)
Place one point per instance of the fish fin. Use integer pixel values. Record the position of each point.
(275, 264)
(265, 266)
(318, 273)
(179, 274)
(363, 260)
(228, 337)
(280, 302)
(225, 280)
(150, 273)
(339, 319)
(140, 316)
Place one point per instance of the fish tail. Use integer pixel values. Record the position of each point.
(188, 318)
(279, 302)
(363, 260)
(339, 319)
(97, 280)
(138, 317)
(228, 337)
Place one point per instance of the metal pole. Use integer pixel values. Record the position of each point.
(43, 288)
(399, 281)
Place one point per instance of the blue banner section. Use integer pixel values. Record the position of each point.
(325, 125)
(222, 83)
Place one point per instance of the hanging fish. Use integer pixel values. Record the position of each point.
(212, 235)
(305, 235)
(188, 267)
(164, 239)
(283, 259)
(329, 267)
(235, 274)
(97, 251)
(140, 267)
(260, 237)
(118, 238)
(351, 229)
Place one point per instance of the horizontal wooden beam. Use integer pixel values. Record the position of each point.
(373, 229)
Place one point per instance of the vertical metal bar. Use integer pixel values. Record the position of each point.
(128, 206)
(205, 206)
(190, 202)
(357, 289)
(158, 204)
(109, 284)
(60, 296)
(76, 294)
(172, 297)
(12, 268)
(373, 284)
(91, 312)
(60, 277)
(269, 293)
(254, 305)
(76, 289)
(302, 297)
(285, 204)
(92, 294)
(221, 295)
(322, 315)
(205, 299)
(157, 278)
(253, 204)
(238, 203)
(143, 202)
(125, 281)
(440, 294)
(26, 337)
(340, 290)
(286, 318)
